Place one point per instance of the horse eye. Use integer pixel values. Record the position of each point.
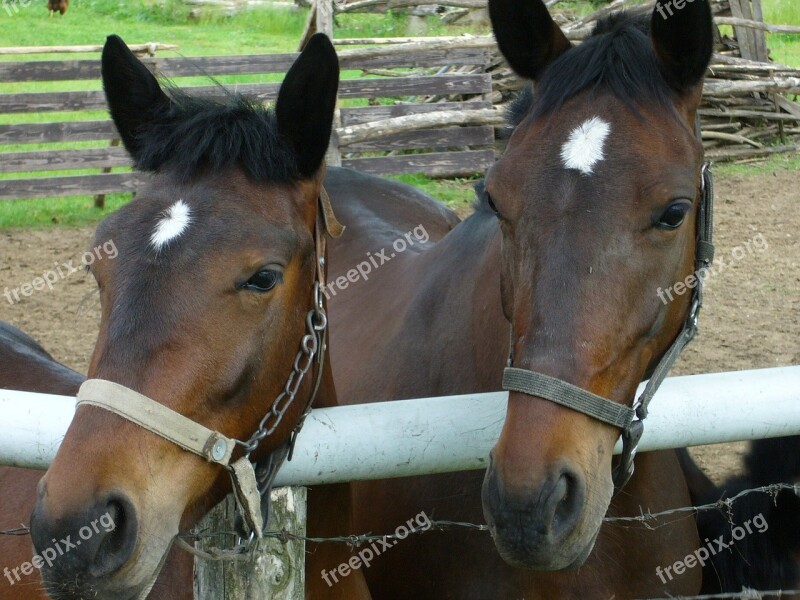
(491, 204)
(673, 217)
(263, 281)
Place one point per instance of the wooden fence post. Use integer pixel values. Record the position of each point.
(273, 569)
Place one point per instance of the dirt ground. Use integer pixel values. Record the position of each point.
(751, 318)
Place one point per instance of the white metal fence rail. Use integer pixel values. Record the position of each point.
(452, 433)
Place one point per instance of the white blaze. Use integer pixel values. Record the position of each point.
(173, 223)
(584, 148)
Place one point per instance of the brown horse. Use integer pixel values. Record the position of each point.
(241, 225)
(203, 310)
(595, 203)
(25, 365)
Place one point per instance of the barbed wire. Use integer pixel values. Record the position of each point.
(21, 530)
(725, 504)
(745, 594)
(241, 550)
(354, 541)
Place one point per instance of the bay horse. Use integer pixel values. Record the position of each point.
(591, 210)
(203, 311)
(244, 207)
(245, 214)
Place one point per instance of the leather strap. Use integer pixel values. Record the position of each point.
(566, 394)
(157, 418)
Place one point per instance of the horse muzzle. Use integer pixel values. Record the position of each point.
(540, 528)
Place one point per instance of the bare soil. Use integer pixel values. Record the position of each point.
(751, 318)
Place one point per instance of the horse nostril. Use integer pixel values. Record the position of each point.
(116, 537)
(568, 508)
(561, 504)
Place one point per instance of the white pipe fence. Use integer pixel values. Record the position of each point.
(452, 433)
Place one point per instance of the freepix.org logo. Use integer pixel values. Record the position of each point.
(757, 524)
(49, 555)
(60, 272)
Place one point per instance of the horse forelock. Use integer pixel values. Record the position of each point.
(618, 58)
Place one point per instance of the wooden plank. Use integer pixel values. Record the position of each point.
(74, 70)
(389, 58)
(433, 85)
(324, 17)
(793, 29)
(49, 70)
(64, 160)
(69, 70)
(355, 134)
(73, 185)
(480, 83)
(758, 35)
(393, 4)
(434, 164)
(365, 114)
(149, 48)
(487, 39)
(72, 131)
(745, 114)
(446, 137)
(37, 102)
(192, 66)
(745, 36)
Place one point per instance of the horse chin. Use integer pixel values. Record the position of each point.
(583, 556)
(519, 558)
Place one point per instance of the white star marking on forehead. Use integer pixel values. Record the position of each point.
(584, 148)
(174, 222)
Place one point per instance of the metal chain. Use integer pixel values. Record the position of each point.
(316, 323)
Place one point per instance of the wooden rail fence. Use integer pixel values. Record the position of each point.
(377, 84)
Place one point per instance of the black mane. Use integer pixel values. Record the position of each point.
(201, 134)
(618, 57)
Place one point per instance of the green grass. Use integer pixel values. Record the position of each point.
(48, 212)
(456, 193)
(787, 162)
(90, 21)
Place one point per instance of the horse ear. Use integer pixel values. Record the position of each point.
(683, 40)
(306, 102)
(133, 94)
(527, 35)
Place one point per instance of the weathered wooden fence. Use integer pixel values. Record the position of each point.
(377, 83)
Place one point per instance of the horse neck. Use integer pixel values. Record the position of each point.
(457, 310)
